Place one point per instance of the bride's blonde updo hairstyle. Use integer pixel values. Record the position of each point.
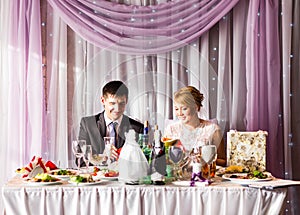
(189, 96)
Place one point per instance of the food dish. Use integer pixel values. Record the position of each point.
(86, 183)
(235, 169)
(188, 183)
(20, 170)
(105, 174)
(63, 173)
(42, 178)
(246, 180)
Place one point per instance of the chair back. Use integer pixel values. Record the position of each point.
(247, 148)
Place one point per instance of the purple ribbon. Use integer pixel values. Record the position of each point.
(198, 177)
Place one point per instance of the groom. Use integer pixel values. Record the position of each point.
(94, 128)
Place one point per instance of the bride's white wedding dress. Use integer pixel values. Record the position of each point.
(206, 133)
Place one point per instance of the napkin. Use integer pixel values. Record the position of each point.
(275, 183)
(35, 166)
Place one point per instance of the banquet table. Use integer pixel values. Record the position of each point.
(114, 197)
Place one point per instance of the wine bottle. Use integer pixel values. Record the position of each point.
(141, 140)
(145, 134)
(146, 127)
(145, 147)
(159, 157)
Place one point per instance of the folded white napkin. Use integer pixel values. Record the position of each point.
(275, 183)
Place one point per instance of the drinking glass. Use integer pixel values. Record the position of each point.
(77, 146)
(109, 142)
(208, 156)
(176, 154)
(168, 143)
(87, 154)
(98, 159)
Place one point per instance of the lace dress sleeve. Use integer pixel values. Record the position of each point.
(210, 132)
(216, 136)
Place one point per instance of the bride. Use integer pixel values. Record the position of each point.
(191, 130)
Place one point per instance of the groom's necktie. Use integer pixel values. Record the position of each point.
(113, 131)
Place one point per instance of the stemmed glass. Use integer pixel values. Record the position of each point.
(208, 156)
(77, 148)
(87, 154)
(176, 154)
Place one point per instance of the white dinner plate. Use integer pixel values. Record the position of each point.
(31, 183)
(188, 183)
(108, 178)
(101, 175)
(86, 183)
(246, 181)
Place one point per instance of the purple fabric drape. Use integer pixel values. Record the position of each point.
(263, 78)
(132, 29)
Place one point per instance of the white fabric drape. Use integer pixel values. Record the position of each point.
(57, 96)
(21, 85)
(117, 198)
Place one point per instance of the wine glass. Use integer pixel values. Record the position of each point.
(208, 156)
(87, 154)
(176, 154)
(77, 146)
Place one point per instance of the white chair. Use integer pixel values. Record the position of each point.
(247, 148)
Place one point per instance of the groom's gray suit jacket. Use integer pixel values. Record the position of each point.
(93, 129)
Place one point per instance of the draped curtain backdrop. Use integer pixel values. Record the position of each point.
(134, 29)
(55, 56)
(22, 88)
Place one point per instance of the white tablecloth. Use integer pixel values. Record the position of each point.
(115, 198)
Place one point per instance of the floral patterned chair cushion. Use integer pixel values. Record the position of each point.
(247, 149)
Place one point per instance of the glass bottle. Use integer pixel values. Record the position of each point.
(145, 134)
(141, 140)
(145, 146)
(158, 160)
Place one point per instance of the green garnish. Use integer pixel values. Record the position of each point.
(258, 174)
(81, 178)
